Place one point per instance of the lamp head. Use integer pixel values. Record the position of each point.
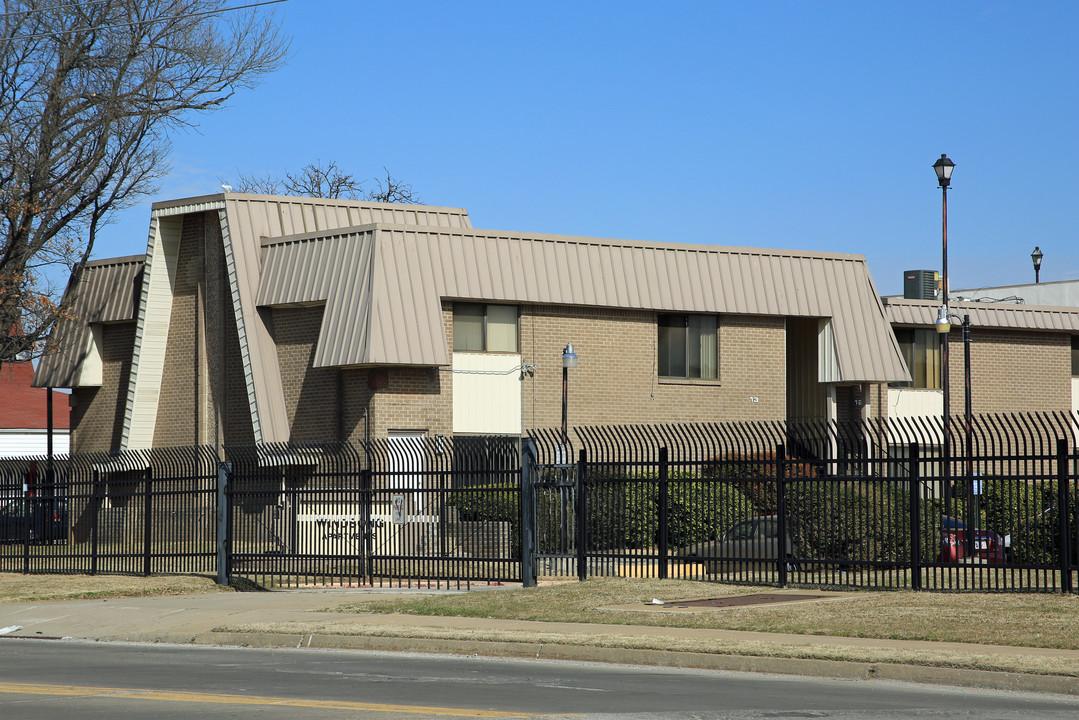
(943, 323)
(1037, 256)
(569, 358)
(943, 168)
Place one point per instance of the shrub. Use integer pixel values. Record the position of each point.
(844, 520)
(755, 475)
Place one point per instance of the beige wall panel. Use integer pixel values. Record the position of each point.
(152, 331)
(486, 394)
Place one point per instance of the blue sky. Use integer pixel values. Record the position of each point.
(801, 125)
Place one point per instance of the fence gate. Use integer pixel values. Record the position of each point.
(299, 516)
(554, 494)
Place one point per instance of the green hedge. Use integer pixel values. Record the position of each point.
(829, 520)
(622, 512)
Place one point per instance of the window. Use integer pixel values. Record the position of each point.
(1075, 355)
(484, 328)
(921, 350)
(687, 346)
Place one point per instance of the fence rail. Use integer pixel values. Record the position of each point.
(865, 504)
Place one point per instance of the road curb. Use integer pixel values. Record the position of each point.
(836, 669)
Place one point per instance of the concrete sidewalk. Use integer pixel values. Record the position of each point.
(297, 619)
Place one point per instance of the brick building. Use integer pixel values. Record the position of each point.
(1023, 358)
(24, 414)
(267, 319)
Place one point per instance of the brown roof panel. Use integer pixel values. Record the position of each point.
(985, 314)
(393, 307)
(108, 292)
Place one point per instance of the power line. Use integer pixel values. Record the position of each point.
(140, 22)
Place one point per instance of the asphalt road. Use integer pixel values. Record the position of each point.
(54, 680)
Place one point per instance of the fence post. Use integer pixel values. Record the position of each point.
(27, 524)
(915, 519)
(224, 470)
(95, 503)
(582, 521)
(664, 500)
(369, 527)
(147, 527)
(527, 533)
(781, 513)
(1064, 516)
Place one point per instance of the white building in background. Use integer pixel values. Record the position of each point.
(24, 414)
(1063, 293)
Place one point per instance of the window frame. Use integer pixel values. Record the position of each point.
(920, 375)
(688, 352)
(485, 333)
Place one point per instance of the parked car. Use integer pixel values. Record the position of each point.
(47, 521)
(750, 539)
(988, 545)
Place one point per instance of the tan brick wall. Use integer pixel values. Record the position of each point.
(616, 380)
(226, 413)
(97, 414)
(311, 394)
(415, 399)
(356, 395)
(1011, 371)
(177, 408)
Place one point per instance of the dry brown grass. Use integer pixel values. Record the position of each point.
(16, 588)
(1033, 620)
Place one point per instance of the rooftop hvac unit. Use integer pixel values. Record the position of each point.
(921, 285)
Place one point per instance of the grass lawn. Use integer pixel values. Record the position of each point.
(1034, 620)
(19, 588)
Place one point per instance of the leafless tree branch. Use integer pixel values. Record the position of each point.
(328, 181)
(88, 95)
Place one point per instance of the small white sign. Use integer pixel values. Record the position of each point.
(397, 509)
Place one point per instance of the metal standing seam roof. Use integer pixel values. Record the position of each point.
(984, 314)
(108, 292)
(249, 220)
(277, 215)
(384, 288)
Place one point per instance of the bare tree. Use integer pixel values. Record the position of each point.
(329, 181)
(88, 94)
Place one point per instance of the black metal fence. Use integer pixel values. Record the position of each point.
(137, 512)
(391, 511)
(872, 504)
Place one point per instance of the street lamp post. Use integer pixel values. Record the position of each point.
(943, 168)
(1037, 256)
(943, 325)
(569, 360)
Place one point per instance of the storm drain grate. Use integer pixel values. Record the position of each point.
(740, 601)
